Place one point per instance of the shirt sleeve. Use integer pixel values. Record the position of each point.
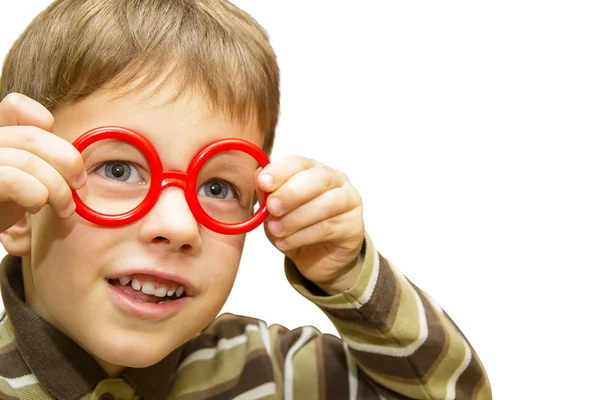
(396, 343)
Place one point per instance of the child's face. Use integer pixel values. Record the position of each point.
(67, 277)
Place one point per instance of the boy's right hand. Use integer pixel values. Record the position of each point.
(36, 166)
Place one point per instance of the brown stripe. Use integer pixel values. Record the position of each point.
(284, 340)
(13, 366)
(417, 366)
(335, 377)
(429, 356)
(320, 368)
(470, 380)
(277, 354)
(378, 314)
(229, 325)
(365, 390)
(257, 371)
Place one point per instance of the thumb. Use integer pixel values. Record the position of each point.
(260, 194)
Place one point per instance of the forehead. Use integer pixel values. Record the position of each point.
(176, 126)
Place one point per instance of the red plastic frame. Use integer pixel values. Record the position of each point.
(162, 179)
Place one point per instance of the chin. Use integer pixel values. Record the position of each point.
(136, 353)
(139, 361)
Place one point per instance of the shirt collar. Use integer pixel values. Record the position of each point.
(61, 365)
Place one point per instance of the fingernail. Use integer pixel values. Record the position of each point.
(267, 181)
(81, 180)
(67, 212)
(274, 205)
(276, 227)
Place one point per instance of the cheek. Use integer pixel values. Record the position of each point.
(67, 239)
(66, 254)
(219, 265)
(224, 267)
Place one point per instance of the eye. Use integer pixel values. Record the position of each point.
(217, 189)
(121, 171)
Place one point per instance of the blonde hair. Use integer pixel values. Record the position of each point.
(76, 47)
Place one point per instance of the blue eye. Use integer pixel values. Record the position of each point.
(216, 189)
(121, 171)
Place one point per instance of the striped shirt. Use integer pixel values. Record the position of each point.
(397, 343)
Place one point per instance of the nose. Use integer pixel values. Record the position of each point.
(170, 223)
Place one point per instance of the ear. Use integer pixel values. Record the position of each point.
(17, 239)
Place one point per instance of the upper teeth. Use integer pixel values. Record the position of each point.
(148, 287)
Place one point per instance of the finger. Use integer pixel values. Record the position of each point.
(23, 189)
(18, 109)
(340, 228)
(328, 205)
(260, 194)
(303, 187)
(53, 149)
(278, 172)
(59, 194)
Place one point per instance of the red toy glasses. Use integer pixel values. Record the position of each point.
(126, 178)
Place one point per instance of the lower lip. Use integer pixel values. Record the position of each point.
(146, 310)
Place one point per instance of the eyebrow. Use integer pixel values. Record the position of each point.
(234, 166)
(111, 145)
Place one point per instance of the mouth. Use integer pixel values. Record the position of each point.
(149, 297)
(148, 289)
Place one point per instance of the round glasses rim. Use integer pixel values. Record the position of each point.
(185, 180)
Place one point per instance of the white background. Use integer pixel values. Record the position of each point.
(471, 130)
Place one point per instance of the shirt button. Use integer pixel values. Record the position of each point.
(106, 396)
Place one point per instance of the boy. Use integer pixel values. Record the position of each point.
(87, 314)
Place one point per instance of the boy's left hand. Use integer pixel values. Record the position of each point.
(315, 220)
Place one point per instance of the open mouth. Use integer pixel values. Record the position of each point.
(148, 288)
